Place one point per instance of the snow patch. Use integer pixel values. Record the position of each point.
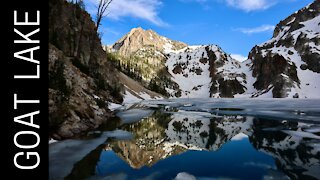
(239, 137)
(239, 57)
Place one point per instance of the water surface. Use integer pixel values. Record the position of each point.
(199, 139)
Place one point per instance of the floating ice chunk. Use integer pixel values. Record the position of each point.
(315, 129)
(114, 106)
(52, 141)
(134, 115)
(120, 134)
(301, 134)
(184, 176)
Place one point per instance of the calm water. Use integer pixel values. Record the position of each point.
(199, 139)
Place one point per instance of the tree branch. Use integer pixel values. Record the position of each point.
(101, 11)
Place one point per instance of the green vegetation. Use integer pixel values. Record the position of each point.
(142, 66)
(157, 87)
(147, 68)
(102, 84)
(132, 66)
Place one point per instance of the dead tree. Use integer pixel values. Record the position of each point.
(101, 12)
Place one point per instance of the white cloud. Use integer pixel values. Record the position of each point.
(260, 29)
(245, 5)
(251, 5)
(238, 57)
(142, 9)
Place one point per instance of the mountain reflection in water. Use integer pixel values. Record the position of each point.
(177, 141)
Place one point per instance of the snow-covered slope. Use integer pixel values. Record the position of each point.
(135, 92)
(288, 65)
(205, 71)
(174, 69)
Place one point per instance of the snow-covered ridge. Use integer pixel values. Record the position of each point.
(197, 68)
(288, 64)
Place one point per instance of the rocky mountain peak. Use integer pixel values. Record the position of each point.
(139, 38)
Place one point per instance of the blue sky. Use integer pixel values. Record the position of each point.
(235, 25)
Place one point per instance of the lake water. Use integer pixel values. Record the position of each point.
(199, 139)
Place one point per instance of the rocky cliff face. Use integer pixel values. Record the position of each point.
(81, 79)
(288, 65)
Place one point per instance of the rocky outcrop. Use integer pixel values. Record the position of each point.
(273, 72)
(288, 65)
(81, 80)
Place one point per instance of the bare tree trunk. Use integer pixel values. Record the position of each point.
(101, 11)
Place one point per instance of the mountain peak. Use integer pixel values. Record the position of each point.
(139, 38)
(137, 29)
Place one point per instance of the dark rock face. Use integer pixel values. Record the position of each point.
(273, 70)
(211, 58)
(80, 77)
(178, 69)
(276, 63)
(226, 88)
(312, 61)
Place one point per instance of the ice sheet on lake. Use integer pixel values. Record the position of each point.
(184, 176)
(114, 106)
(301, 134)
(288, 109)
(63, 154)
(134, 115)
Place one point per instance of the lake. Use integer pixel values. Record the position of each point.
(198, 139)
